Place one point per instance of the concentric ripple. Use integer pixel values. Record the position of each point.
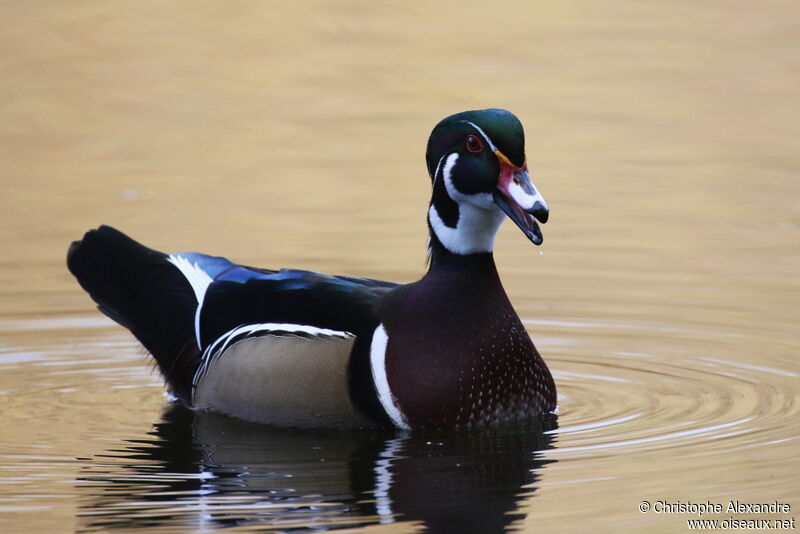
(641, 387)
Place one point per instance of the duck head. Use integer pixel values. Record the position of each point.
(476, 161)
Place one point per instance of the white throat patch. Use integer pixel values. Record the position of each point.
(478, 217)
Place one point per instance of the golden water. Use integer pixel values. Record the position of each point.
(665, 298)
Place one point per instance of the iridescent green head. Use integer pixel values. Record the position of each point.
(476, 161)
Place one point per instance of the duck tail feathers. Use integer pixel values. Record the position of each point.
(141, 289)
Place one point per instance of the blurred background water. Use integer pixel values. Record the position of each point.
(665, 299)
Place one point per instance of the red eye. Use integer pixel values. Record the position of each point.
(474, 144)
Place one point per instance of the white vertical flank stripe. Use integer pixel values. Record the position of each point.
(377, 356)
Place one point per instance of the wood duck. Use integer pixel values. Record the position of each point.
(303, 349)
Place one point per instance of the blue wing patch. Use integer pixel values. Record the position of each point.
(222, 270)
(309, 293)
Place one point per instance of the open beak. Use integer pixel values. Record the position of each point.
(519, 199)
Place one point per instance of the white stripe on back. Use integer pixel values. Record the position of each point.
(195, 275)
(199, 280)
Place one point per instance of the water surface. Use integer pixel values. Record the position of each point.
(665, 298)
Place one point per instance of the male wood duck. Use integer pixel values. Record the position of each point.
(305, 349)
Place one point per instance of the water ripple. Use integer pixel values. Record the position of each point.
(674, 392)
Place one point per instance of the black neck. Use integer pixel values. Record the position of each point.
(446, 207)
(442, 260)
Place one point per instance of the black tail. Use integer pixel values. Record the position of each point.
(141, 290)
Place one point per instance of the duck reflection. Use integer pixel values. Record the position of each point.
(204, 471)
